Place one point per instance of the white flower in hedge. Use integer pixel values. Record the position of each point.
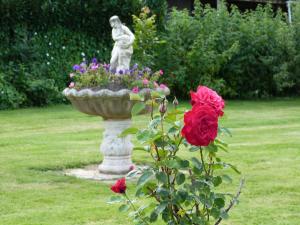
(35, 33)
(48, 63)
(63, 47)
(98, 51)
(47, 54)
(45, 36)
(50, 43)
(82, 54)
(83, 59)
(52, 58)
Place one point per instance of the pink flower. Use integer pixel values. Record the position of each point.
(161, 72)
(135, 90)
(163, 86)
(205, 95)
(94, 66)
(72, 75)
(71, 85)
(155, 84)
(145, 82)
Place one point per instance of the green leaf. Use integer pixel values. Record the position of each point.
(215, 213)
(222, 145)
(224, 215)
(123, 208)
(144, 178)
(161, 207)
(162, 177)
(225, 131)
(153, 216)
(130, 130)
(180, 178)
(194, 149)
(172, 164)
(136, 97)
(183, 163)
(219, 202)
(234, 168)
(226, 178)
(137, 108)
(196, 163)
(115, 199)
(145, 148)
(217, 181)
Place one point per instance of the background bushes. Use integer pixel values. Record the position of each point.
(249, 55)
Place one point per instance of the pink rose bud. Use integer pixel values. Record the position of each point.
(161, 72)
(145, 82)
(135, 90)
(132, 167)
(162, 108)
(155, 84)
(72, 75)
(71, 85)
(162, 86)
(175, 102)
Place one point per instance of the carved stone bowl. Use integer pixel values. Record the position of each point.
(111, 105)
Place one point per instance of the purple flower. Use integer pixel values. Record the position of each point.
(147, 69)
(121, 72)
(76, 67)
(94, 60)
(113, 71)
(135, 66)
(81, 70)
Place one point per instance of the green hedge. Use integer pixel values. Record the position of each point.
(41, 40)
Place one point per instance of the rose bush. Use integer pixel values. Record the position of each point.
(185, 190)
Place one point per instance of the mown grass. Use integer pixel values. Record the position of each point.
(36, 143)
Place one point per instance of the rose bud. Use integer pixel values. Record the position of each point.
(162, 108)
(175, 102)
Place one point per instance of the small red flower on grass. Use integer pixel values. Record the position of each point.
(120, 186)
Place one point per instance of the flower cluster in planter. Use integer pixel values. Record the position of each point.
(98, 75)
(185, 188)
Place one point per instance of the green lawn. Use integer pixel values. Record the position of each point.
(36, 143)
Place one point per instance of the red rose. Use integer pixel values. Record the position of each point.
(119, 186)
(205, 95)
(200, 125)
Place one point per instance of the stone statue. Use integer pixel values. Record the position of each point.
(122, 51)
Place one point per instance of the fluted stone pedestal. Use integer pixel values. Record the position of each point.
(116, 150)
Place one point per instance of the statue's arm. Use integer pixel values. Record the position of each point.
(129, 33)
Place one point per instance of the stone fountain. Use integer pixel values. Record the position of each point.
(113, 106)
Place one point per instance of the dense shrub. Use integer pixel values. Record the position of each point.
(254, 54)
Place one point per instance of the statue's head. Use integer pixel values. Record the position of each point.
(115, 21)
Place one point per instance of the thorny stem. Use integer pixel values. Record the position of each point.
(134, 208)
(233, 201)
